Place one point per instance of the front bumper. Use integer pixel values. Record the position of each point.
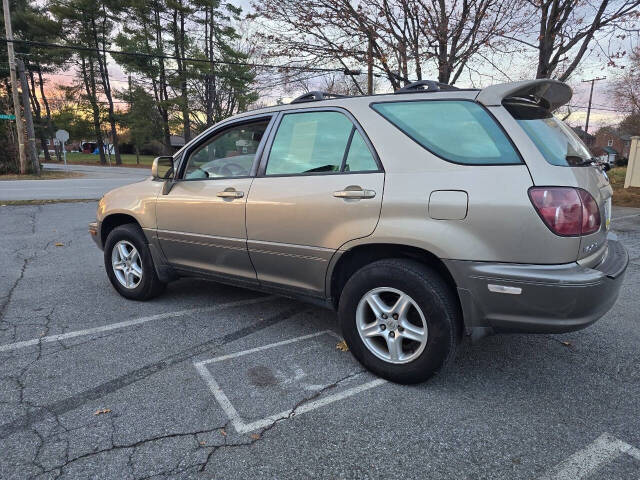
(507, 297)
(94, 231)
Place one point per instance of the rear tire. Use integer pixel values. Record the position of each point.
(129, 264)
(413, 327)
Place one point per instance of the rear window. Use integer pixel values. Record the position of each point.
(456, 130)
(557, 142)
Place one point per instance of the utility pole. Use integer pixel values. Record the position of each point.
(31, 133)
(14, 85)
(370, 64)
(593, 80)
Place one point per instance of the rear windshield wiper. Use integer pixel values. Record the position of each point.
(578, 161)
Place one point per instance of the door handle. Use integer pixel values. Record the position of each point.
(230, 193)
(354, 192)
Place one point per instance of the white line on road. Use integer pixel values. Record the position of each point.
(581, 464)
(265, 347)
(128, 323)
(236, 420)
(307, 407)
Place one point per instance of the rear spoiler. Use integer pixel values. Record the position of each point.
(551, 94)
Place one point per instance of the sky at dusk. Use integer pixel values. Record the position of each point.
(512, 68)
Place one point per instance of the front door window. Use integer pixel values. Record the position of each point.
(229, 154)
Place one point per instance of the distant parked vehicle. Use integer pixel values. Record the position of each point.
(419, 216)
(88, 147)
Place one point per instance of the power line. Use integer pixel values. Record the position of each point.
(597, 108)
(184, 59)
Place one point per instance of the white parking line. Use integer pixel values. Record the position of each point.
(266, 347)
(236, 420)
(604, 450)
(128, 323)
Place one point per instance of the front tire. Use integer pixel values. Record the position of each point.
(400, 320)
(129, 265)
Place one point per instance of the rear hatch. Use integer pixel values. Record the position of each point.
(563, 149)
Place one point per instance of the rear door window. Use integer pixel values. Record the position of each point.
(456, 130)
(318, 142)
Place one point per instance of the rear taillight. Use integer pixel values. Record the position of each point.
(566, 211)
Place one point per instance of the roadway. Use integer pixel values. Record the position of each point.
(94, 183)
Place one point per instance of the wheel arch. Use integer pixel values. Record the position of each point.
(114, 220)
(358, 256)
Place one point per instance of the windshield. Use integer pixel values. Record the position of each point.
(557, 142)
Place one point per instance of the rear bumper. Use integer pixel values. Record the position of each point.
(502, 297)
(94, 232)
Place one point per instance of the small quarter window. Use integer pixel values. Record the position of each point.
(359, 158)
(457, 131)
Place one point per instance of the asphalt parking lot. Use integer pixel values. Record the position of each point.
(210, 381)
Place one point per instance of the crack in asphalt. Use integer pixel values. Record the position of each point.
(59, 469)
(9, 296)
(291, 413)
(200, 466)
(71, 403)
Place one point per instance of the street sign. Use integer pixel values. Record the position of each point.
(62, 136)
(4, 116)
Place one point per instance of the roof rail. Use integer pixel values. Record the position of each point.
(425, 86)
(316, 96)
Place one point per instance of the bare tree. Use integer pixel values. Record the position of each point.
(627, 86)
(400, 37)
(564, 31)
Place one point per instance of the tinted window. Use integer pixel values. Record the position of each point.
(557, 142)
(228, 154)
(458, 131)
(311, 142)
(359, 158)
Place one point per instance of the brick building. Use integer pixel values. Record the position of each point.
(611, 143)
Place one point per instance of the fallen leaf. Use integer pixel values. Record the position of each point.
(255, 436)
(223, 432)
(342, 346)
(102, 410)
(566, 344)
(58, 244)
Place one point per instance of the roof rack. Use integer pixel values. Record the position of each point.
(425, 86)
(316, 96)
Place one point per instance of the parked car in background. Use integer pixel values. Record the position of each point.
(418, 216)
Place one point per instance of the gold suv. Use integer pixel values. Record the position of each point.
(419, 216)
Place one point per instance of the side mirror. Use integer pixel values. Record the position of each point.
(162, 168)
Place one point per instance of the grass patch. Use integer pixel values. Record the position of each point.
(4, 203)
(623, 197)
(46, 175)
(128, 160)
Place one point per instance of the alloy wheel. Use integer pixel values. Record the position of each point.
(126, 263)
(391, 325)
